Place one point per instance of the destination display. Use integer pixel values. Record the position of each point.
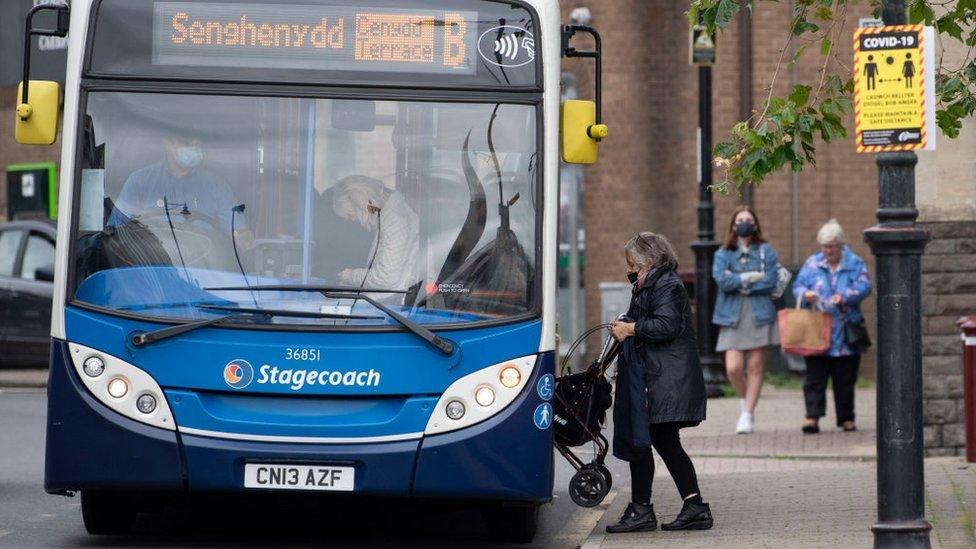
(317, 37)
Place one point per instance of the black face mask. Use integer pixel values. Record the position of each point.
(744, 229)
(632, 277)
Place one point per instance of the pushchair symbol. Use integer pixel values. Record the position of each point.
(543, 416)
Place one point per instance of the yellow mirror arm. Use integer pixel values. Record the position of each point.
(598, 131)
(24, 110)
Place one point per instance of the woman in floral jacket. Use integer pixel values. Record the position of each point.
(835, 281)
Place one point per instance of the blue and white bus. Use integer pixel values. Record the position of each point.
(305, 245)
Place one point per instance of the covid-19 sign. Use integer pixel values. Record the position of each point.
(894, 88)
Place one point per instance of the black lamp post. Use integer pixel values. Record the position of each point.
(897, 245)
(705, 246)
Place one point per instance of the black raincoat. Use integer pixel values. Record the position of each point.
(659, 378)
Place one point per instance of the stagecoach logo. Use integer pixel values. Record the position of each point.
(507, 46)
(238, 373)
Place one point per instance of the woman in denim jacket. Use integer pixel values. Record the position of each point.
(745, 271)
(835, 281)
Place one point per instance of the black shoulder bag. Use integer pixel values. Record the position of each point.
(855, 333)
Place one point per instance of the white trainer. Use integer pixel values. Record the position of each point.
(745, 425)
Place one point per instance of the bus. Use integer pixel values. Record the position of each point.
(306, 245)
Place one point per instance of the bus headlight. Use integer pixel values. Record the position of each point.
(121, 386)
(492, 388)
(454, 410)
(484, 395)
(510, 376)
(94, 366)
(118, 387)
(146, 403)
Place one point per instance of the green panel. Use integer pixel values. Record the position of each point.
(16, 203)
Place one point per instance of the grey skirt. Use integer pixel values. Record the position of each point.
(745, 335)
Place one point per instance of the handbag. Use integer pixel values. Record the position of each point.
(856, 335)
(804, 332)
(783, 275)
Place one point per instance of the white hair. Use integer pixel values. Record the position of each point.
(831, 232)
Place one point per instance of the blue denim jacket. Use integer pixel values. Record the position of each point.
(850, 281)
(731, 289)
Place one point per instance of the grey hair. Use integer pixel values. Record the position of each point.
(356, 191)
(648, 250)
(831, 232)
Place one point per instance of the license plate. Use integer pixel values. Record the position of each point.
(299, 477)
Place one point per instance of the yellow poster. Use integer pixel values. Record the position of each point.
(893, 88)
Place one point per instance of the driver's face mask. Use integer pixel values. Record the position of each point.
(189, 157)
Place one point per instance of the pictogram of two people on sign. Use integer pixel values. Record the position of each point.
(871, 70)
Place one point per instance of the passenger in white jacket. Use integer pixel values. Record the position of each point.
(393, 256)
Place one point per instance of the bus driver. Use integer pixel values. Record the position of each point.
(180, 185)
(393, 257)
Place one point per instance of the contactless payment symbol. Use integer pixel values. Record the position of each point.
(238, 373)
(545, 386)
(543, 416)
(507, 46)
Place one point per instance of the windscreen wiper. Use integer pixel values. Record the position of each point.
(163, 333)
(344, 292)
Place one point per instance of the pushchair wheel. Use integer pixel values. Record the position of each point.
(588, 487)
(606, 475)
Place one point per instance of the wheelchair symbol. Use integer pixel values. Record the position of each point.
(545, 386)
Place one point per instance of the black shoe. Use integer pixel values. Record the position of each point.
(637, 518)
(811, 428)
(691, 517)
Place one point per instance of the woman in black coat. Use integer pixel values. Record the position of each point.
(660, 386)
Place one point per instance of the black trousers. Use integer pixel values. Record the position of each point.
(843, 371)
(665, 438)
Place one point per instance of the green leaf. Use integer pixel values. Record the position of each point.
(726, 149)
(824, 13)
(800, 94)
(725, 10)
(919, 11)
(825, 46)
(951, 87)
(947, 24)
(805, 26)
(949, 124)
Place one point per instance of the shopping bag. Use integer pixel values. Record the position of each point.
(804, 332)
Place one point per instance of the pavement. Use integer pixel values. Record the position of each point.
(774, 488)
(779, 488)
(23, 378)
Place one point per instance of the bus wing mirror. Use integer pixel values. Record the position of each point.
(36, 120)
(37, 108)
(580, 122)
(579, 132)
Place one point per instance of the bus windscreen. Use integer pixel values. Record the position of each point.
(315, 37)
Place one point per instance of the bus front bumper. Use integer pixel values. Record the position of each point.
(89, 446)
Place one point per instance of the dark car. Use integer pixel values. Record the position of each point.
(26, 290)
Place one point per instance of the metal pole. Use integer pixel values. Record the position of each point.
(706, 245)
(897, 245)
(745, 80)
(572, 223)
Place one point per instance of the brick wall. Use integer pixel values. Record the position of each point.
(948, 292)
(646, 176)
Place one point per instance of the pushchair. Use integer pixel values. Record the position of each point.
(581, 402)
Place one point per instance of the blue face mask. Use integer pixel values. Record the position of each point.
(189, 157)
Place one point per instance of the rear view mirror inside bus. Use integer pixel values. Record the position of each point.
(354, 116)
(579, 132)
(36, 121)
